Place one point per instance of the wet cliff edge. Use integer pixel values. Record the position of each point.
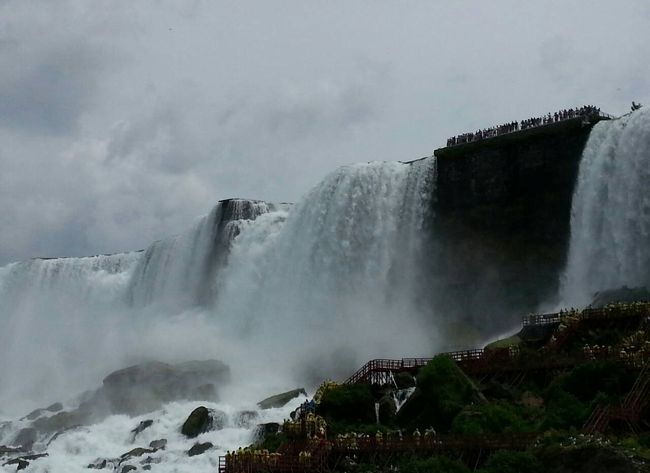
(501, 214)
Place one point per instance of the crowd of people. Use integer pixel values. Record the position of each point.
(561, 115)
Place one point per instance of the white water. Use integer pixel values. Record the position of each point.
(287, 296)
(72, 451)
(610, 218)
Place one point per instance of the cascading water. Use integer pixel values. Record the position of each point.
(336, 282)
(610, 218)
(180, 271)
(322, 285)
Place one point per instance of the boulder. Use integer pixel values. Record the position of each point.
(404, 380)
(141, 426)
(270, 428)
(99, 464)
(199, 448)
(136, 452)
(5, 450)
(127, 468)
(280, 400)
(145, 387)
(202, 420)
(24, 461)
(245, 419)
(159, 444)
(62, 421)
(25, 438)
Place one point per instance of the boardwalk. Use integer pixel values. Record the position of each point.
(323, 455)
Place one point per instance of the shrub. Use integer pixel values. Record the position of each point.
(442, 392)
(490, 419)
(431, 465)
(512, 462)
(351, 403)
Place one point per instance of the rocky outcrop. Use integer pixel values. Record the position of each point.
(146, 387)
(622, 294)
(501, 223)
(280, 400)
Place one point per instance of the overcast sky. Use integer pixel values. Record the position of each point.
(121, 122)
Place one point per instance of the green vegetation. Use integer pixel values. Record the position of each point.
(442, 392)
(348, 403)
(531, 389)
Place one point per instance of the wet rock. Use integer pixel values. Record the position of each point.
(146, 387)
(280, 400)
(199, 448)
(404, 380)
(202, 420)
(61, 432)
(197, 422)
(98, 464)
(151, 461)
(5, 450)
(25, 438)
(158, 444)
(127, 468)
(61, 421)
(142, 426)
(246, 419)
(146, 467)
(36, 413)
(269, 428)
(24, 461)
(136, 452)
(387, 410)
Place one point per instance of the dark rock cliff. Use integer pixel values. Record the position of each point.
(501, 217)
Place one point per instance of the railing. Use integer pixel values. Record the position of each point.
(315, 455)
(540, 319)
(377, 368)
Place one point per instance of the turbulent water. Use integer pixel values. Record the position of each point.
(610, 220)
(321, 285)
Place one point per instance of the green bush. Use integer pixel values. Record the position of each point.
(564, 410)
(433, 465)
(442, 392)
(607, 375)
(350, 403)
(512, 462)
(490, 419)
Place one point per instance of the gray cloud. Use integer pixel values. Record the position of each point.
(49, 93)
(122, 122)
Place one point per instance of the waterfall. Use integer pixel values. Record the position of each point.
(323, 284)
(180, 271)
(610, 218)
(336, 278)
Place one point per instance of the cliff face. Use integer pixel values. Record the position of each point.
(502, 214)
